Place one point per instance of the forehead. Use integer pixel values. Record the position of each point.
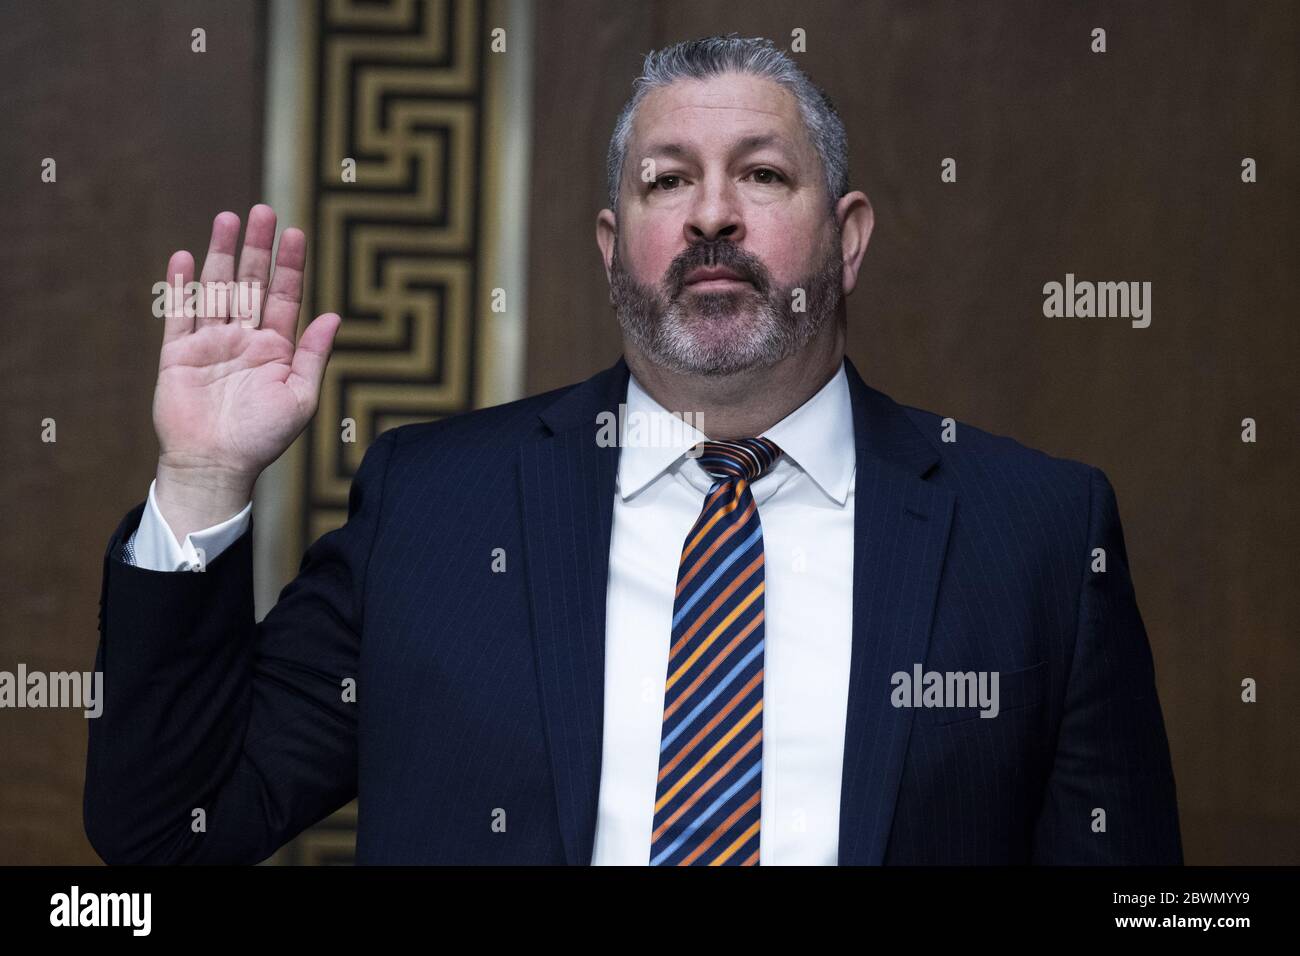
(717, 110)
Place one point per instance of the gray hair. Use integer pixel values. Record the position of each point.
(755, 56)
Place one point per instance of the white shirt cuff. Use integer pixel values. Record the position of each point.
(154, 547)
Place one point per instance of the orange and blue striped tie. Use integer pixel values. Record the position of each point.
(707, 801)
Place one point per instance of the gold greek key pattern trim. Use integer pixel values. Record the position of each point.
(396, 253)
(403, 253)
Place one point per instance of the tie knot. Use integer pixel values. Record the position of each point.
(748, 458)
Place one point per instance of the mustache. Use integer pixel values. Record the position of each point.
(717, 254)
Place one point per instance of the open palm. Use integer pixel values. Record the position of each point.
(231, 398)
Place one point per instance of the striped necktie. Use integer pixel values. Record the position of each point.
(707, 801)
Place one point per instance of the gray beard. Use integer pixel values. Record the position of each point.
(720, 333)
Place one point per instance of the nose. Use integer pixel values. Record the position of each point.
(715, 214)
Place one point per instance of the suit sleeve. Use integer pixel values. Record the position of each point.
(221, 738)
(1112, 754)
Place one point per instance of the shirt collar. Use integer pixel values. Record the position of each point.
(817, 437)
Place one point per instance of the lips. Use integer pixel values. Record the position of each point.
(706, 275)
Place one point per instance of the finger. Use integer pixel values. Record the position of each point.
(284, 300)
(218, 265)
(255, 257)
(313, 353)
(180, 272)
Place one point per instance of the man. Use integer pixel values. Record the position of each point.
(805, 625)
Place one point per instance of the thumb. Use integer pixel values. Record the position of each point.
(314, 348)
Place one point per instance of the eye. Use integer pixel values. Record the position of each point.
(662, 182)
(765, 172)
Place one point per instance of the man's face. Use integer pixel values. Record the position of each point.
(737, 188)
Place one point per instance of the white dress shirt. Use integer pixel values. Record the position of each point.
(805, 505)
(154, 546)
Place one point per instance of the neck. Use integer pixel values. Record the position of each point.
(747, 403)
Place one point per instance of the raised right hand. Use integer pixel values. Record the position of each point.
(230, 399)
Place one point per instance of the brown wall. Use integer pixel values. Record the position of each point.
(151, 142)
(1115, 166)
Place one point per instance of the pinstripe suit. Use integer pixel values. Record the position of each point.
(476, 734)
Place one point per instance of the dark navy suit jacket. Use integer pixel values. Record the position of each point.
(480, 693)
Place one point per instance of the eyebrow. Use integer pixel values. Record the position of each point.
(746, 144)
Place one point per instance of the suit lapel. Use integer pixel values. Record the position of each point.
(901, 525)
(567, 483)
